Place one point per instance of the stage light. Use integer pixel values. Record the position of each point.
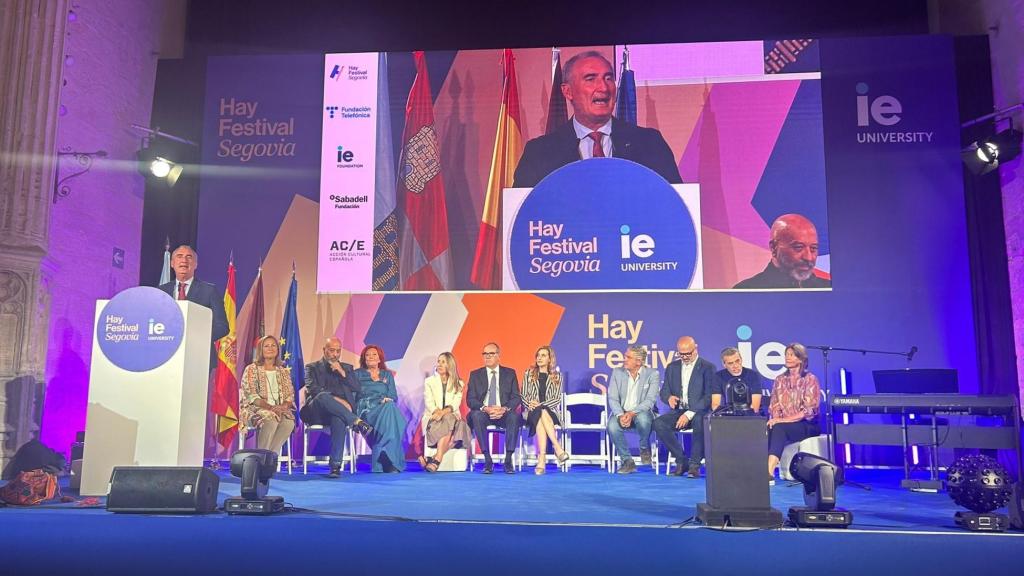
(163, 168)
(154, 162)
(987, 154)
(820, 478)
(159, 153)
(160, 167)
(255, 468)
(980, 484)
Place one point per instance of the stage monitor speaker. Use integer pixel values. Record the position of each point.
(736, 460)
(162, 490)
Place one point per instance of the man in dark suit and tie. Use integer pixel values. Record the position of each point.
(493, 399)
(687, 391)
(331, 392)
(186, 286)
(593, 132)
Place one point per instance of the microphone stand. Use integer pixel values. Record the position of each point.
(830, 425)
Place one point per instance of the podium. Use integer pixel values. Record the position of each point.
(148, 385)
(737, 487)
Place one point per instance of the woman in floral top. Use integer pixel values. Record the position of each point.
(793, 412)
(267, 399)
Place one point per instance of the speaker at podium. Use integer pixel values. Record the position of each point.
(148, 385)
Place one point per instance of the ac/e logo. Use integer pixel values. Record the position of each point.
(348, 245)
(641, 245)
(884, 109)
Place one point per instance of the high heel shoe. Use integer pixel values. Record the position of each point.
(540, 469)
(562, 456)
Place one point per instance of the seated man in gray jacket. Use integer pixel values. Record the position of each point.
(632, 392)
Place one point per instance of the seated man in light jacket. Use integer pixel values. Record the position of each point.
(632, 392)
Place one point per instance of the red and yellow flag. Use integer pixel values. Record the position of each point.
(225, 385)
(424, 257)
(508, 147)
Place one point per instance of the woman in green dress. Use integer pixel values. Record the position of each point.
(378, 405)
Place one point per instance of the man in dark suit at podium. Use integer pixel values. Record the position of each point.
(687, 391)
(493, 399)
(593, 132)
(186, 286)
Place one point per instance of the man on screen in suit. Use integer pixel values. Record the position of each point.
(593, 132)
(632, 392)
(186, 286)
(331, 392)
(687, 391)
(794, 249)
(493, 399)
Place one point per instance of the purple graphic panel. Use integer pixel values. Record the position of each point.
(261, 147)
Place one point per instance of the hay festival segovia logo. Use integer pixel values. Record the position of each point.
(246, 135)
(606, 223)
(140, 328)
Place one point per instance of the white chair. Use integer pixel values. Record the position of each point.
(283, 460)
(574, 424)
(455, 459)
(616, 459)
(517, 462)
(286, 458)
(817, 445)
(528, 449)
(670, 459)
(350, 449)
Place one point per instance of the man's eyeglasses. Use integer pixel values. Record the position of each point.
(688, 354)
(489, 354)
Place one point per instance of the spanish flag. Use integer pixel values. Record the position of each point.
(508, 147)
(225, 385)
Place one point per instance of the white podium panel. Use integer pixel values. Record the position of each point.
(148, 385)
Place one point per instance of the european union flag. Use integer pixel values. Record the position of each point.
(291, 343)
(385, 217)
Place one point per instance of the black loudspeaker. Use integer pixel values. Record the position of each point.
(162, 489)
(1016, 506)
(737, 490)
(736, 462)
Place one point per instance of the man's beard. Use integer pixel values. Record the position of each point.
(801, 275)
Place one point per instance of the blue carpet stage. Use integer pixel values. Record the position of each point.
(584, 521)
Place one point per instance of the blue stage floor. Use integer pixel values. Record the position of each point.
(585, 520)
(586, 495)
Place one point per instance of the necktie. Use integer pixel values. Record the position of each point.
(181, 290)
(598, 150)
(492, 390)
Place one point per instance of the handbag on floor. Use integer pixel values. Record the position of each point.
(30, 488)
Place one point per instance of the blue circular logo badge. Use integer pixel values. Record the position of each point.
(603, 223)
(140, 329)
